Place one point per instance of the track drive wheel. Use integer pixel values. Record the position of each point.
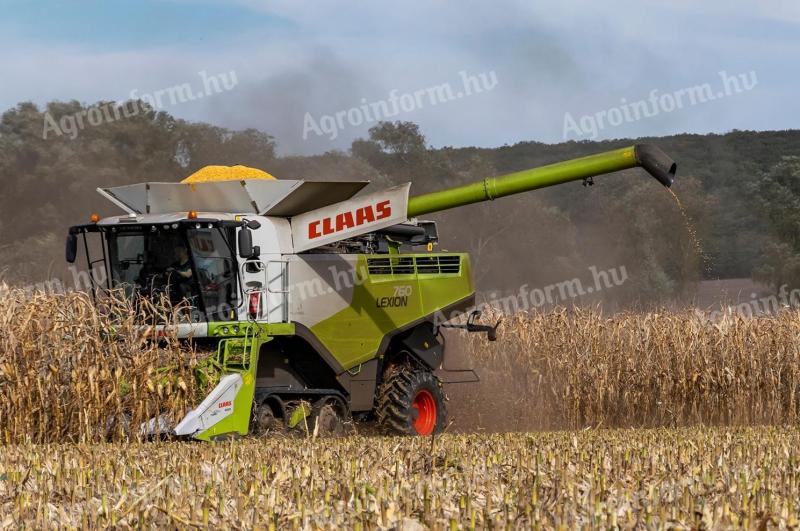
(411, 401)
(328, 422)
(264, 421)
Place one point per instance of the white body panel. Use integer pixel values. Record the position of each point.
(346, 219)
(217, 405)
(267, 276)
(321, 285)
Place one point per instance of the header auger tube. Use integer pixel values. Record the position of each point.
(646, 156)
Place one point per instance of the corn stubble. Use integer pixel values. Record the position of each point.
(678, 478)
(75, 381)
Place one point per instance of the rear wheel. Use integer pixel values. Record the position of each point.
(411, 401)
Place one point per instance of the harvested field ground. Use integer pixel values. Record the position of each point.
(684, 478)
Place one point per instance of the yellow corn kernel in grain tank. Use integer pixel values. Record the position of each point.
(226, 173)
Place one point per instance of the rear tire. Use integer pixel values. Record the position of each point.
(411, 402)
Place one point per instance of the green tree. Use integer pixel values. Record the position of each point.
(778, 198)
(399, 151)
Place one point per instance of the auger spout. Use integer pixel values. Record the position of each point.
(645, 156)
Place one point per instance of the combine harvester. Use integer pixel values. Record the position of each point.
(313, 296)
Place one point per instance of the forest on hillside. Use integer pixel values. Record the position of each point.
(736, 213)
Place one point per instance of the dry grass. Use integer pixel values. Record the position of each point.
(684, 478)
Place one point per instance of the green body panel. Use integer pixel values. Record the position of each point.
(246, 328)
(240, 355)
(353, 335)
(523, 181)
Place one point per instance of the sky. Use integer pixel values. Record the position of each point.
(317, 74)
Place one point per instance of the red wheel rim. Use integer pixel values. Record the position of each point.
(425, 405)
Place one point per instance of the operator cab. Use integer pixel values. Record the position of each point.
(190, 263)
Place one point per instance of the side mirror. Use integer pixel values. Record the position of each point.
(245, 240)
(72, 248)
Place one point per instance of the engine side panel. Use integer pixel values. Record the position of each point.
(352, 302)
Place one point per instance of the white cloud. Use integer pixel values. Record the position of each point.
(579, 56)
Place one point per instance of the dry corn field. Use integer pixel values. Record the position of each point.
(67, 373)
(75, 384)
(676, 478)
(578, 368)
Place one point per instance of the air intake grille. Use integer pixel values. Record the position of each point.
(409, 265)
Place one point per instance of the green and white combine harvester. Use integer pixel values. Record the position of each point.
(316, 299)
